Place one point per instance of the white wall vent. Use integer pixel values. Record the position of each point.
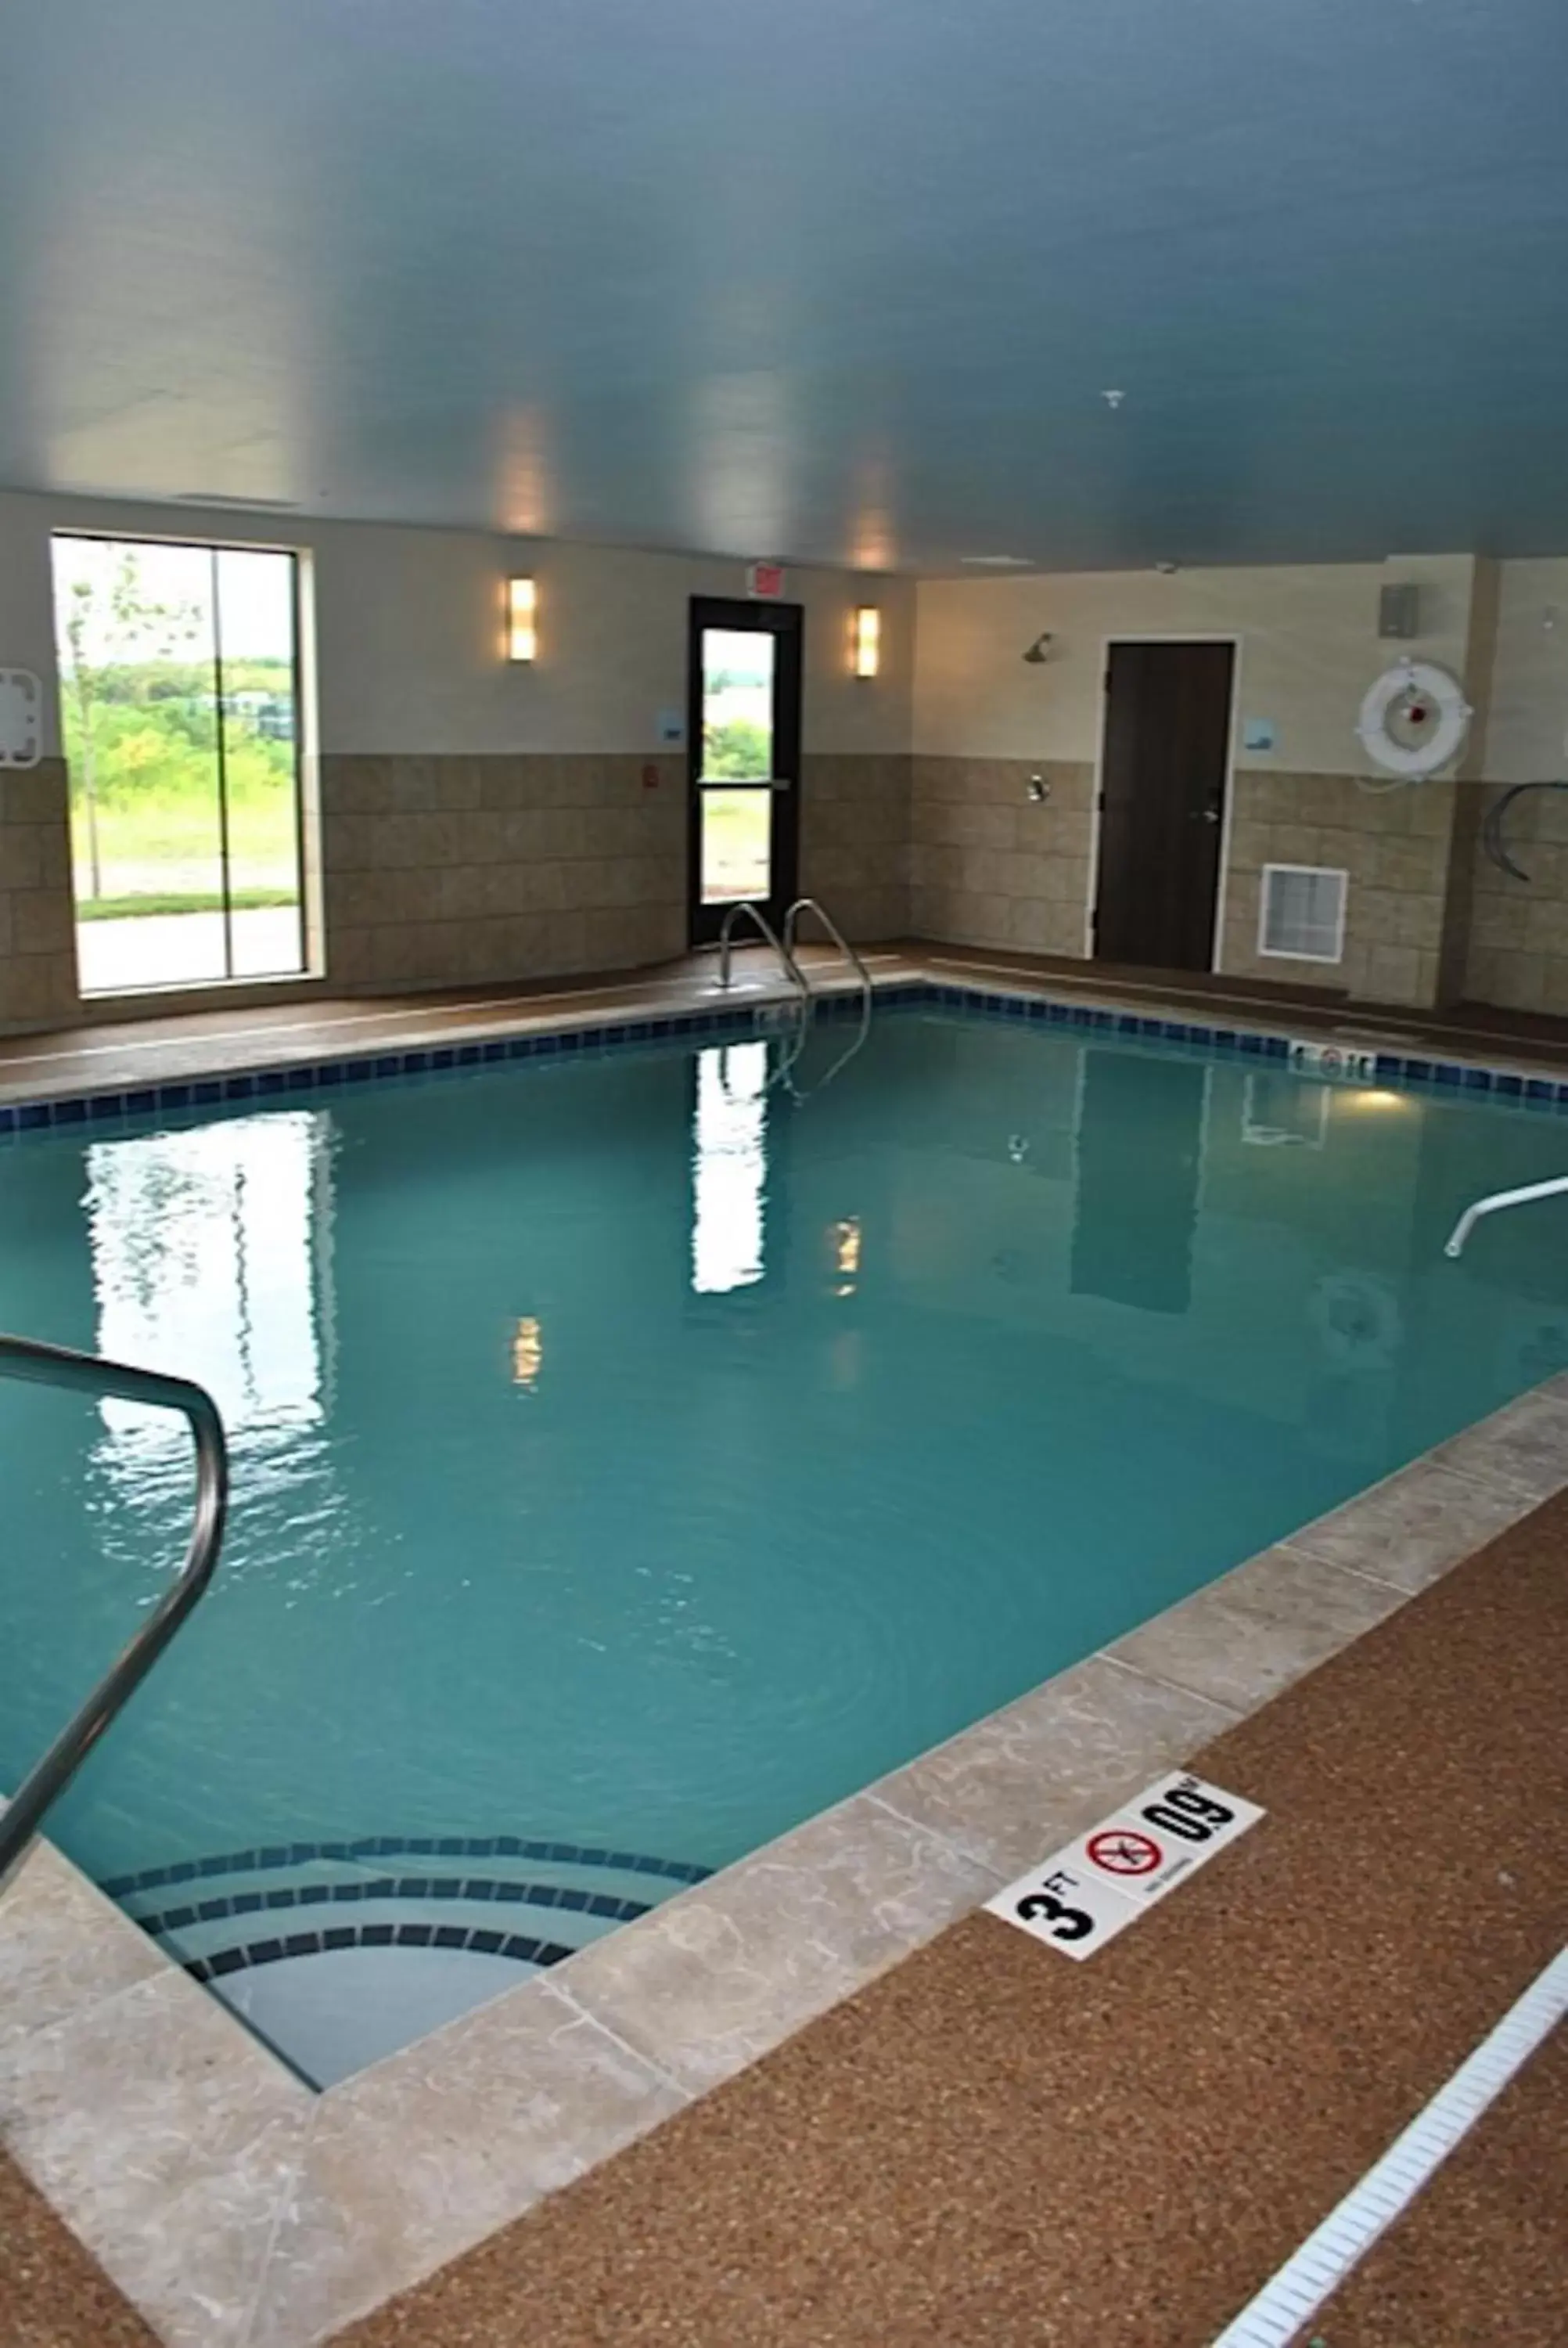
(1302, 915)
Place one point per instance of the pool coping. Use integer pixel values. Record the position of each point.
(236, 2207)
(576, 1022)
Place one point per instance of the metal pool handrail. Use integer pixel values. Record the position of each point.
(1495, 1203)
(54, 1366)
(791, 928)
(793, 970)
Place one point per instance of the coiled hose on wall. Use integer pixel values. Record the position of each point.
(1492, 822)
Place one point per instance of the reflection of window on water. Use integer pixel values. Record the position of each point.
(728, 1168)
(1279, 1111)
(208, 1262)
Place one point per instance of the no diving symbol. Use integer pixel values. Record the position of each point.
(1121, 1851)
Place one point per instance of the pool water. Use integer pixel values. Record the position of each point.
(630, 1460)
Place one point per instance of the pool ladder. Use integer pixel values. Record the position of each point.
(787, 947)
(54, 1365)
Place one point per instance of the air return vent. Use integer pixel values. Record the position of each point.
(1303, 912)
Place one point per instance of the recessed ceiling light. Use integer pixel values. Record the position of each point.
(995, 562)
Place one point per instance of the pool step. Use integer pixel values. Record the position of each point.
(529, 1900)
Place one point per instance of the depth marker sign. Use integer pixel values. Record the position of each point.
(1085, 1894)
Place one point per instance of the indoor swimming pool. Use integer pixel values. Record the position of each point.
(631, 1459)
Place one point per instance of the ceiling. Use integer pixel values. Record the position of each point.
(830, 280)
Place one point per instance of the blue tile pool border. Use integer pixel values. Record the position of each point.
(295, 1080)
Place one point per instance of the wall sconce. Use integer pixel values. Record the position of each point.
(866, 641)
(522, 619)
(1040, 651)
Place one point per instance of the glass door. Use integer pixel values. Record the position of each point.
(743, 731)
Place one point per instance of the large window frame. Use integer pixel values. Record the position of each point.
(306, 825)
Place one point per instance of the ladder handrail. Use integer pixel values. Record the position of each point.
(858, 1041)
(56, 1365)
(1494, 1203)
(791, 927)
(793, 970)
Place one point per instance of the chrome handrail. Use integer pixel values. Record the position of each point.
(793, 970)
(54, 1365)
(791, 927)
(858, 1041)
(1492, 1205)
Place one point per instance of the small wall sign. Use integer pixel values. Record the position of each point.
(766, 580)
(671, 729)
(1259, 733)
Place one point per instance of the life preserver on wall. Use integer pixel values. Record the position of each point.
(1414, 719)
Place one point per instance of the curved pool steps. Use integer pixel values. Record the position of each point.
(336, 1958)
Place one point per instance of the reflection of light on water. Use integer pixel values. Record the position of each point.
(728, 1168)
(1371, 1096)
(843, 1241)
(527, 1354)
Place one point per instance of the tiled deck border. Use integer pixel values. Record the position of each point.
(237, 2209)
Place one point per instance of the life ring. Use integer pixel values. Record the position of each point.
(1414, 719)
(1356, 1321)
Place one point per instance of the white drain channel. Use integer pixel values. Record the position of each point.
(1317, 2269)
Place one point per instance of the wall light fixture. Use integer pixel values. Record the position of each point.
(867, 641)
(522, 619)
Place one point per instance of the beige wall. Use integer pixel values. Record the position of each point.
(990, 864)
(408, 632)
(484, 821)
(989, 869)
(1308, 649)
(480, 819)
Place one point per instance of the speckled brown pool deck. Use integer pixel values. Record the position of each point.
(990, 2144)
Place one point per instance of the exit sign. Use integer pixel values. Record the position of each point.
(766, 580)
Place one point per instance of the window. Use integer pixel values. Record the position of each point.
(180, 710)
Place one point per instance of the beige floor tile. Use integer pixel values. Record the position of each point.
(425, 2153)
(1523, 1448)
(167, 2138)
(714, 1979)
(1251, 1634)
(63, 1946)
(1031, 1776)
(1411, 1529)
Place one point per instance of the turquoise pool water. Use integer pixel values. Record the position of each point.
(629, 1461)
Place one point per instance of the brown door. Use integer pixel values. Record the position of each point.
(1161, 803)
